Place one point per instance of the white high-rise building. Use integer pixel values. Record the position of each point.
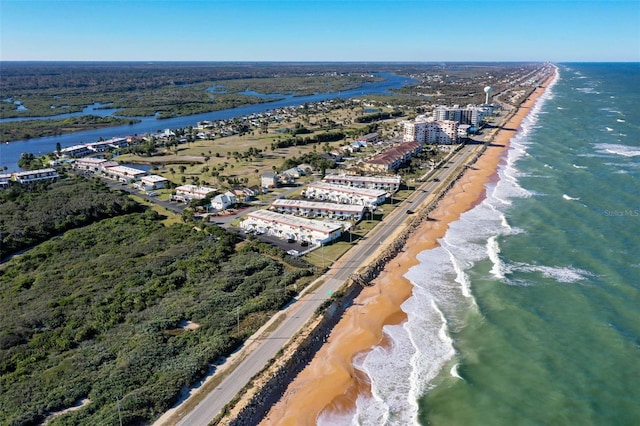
(471, 114)
(428, 130)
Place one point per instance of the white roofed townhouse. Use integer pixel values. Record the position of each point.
(101, 146)
(124, 174)
(31, 176)
(291, 227)
(154, 182)
(187, 193)
(76, 151)
(312, 209)
(344, 194)
(5, 180)
(90, 164)
(107, 164)
(387, 183)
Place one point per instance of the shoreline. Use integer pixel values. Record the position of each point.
(330, 383)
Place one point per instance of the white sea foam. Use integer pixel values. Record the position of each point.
(617, 149)
(588, 90)
(493, 250)
(568, 198)
(619, 120)
(454, 372)
(562, 274)
(579, 167)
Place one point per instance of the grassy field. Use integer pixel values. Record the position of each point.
(201, 159)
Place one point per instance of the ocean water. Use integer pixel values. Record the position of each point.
(529, 311)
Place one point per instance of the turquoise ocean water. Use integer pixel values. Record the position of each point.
(529, 312)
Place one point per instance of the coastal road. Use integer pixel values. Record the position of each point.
(299, 312)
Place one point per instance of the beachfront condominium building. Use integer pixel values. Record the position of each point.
(341, 194)
(471, 114)
(387, 183)
(427, 130)
(314, 209)
(291, 227)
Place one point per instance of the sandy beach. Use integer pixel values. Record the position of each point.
(330, 382)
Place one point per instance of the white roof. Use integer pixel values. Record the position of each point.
(195, 189)
(375, 193)
(299, 222)
(318, 206)
(34, 172)
(351, 178)
(154, 178)
(74, 148)
(128, 170)
(91, 160)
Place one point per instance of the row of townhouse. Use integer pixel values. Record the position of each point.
(28, 176)
(187, 193)
(341, 194)
(124, 174)
(83, 150)
(386, 183)
(312, 209)
(392, 158)
(112, 170)
(292, 228)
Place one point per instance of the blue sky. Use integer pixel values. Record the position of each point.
(318, 30)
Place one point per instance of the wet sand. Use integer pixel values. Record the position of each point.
(330, 382)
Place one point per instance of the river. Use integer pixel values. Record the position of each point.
(10, 152)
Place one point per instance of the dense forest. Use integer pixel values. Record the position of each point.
(99, 313)
(30, 215)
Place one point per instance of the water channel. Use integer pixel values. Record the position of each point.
(10, 152)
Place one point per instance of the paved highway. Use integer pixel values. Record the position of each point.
(298, 313)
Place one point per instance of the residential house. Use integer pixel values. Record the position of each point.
(270, 180)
